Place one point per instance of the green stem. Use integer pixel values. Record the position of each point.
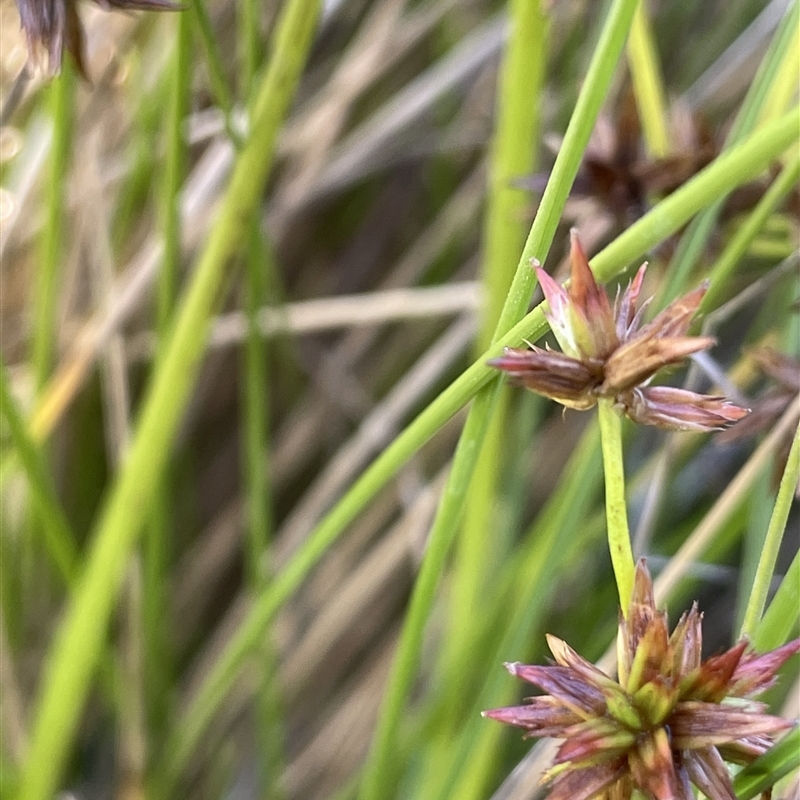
(595, 87)
(216, 71)
(156, 645)
(255, 400)
(514, 152)
(255, 447)
(78, 642)
(784, 84)
(59, 539)
(745, 233)
(249, 11)
(619, 540)
(697, 234)
(174, 168)
(772, 542)
(735, 167)
(45, 298)
(382, 767)
(780, 619)
(514, 149)
(559, 530)
(648, 85)
(763, 773)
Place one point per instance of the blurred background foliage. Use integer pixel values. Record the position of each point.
(352, 290)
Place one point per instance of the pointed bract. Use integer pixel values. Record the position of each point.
(594, 329)
(558, 376)
(755, 673)
(678, 409)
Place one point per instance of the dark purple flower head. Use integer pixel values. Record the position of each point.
(670, 720)
(607, 352)
(53, 26)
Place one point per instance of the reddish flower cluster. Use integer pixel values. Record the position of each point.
(665, 724)
(607, 352)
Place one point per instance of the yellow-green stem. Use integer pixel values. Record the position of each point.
(772, 542)
(619, 540)
(78, 642)
(46, 293)
(647, 83)
(514, 150)
(783, 86)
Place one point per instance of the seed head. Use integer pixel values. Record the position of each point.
(669, 721)
(607, 352)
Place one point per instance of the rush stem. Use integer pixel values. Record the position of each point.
(619, 540)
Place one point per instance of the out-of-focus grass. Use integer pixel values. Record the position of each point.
(282, 534)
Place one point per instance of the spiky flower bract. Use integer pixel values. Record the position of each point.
(670, 720)
(607, 352)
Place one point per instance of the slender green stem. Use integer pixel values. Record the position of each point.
(745, 233)
(560, 529)
(780, 619)
(760, 89)
(697, 234)
(174, 169)
(254, 430)
(156, 646)
(381, 767)
(45, 296)
(78, 642)
(763, 773)
(595, 87)
(255, 447)
(249, 56)
(757, 512)
(619, 540)
(59, 539)
(216, 71)
(648, 85)
(784, 85)
(727, 172)
(513, 154)
(514, 150)
(772, 542)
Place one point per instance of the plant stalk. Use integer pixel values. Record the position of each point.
(772, 542)
(619, 539)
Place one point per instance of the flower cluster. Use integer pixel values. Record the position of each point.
(620, 175)
(607, 352)
(52, 26)
(669, 721)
